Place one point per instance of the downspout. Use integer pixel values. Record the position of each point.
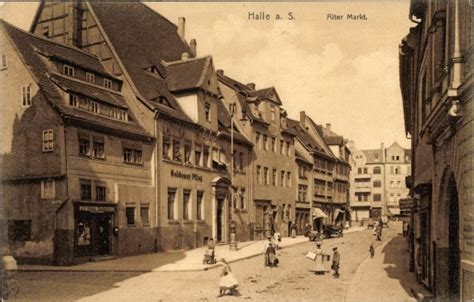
(156, 184)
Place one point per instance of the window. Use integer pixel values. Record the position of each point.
(205, 157)
(186, 205)
(68, 70)
(399, 184)
(243, 205)
(377, 197)
(19, 230)
(397, 170)
(176, 150)
(302, 192)
(107, 83)
(391, 184)
(288, 150)
(171, 204)
(144, 214)
(86, 190)
(199, 205)
(259, 178)
(166, 147)
(48, 140)
(274, 177)
(265, 175)
(84, 145)
(272, 113)
(359, 170)
(98, 147)
(26, 95)
(130, 215)
(94, 107)
(288, 176)
(366, 171)
(265, 142)
(377, 184)
(132, 155)
(187, 153)
(234, 198)
(257, 140)
(273, 144)
(282, 178)
(47, 188)
(241, 163)
(207, 111)
(90, 77)
(282, 147)
(3, 62)
(100, 193)
(197, 155)
(73, 100)
(377, 170)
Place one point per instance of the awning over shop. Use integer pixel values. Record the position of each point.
(318, 213)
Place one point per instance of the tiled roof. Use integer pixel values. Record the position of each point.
(224, 119)
(304, 136)
(89, 90)
(371, 154)
(334, 140)
(300, 157)
(186, 74)
(147, 42)
(27, 45)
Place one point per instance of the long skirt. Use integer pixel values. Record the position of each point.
(228, 281)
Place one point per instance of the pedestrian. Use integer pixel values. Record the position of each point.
(372, 250)
(271, 255)
(378, 231)
(277, 239)
(336, 257)
(227, 280)
(266, 245)
(319, 267)
(209, 256)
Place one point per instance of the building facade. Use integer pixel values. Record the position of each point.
(436, 85)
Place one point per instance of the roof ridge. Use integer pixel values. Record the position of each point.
(166, 64)
(72, 47)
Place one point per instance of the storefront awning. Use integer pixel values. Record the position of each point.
(318, 213)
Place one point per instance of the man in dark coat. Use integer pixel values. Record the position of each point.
(336, 257)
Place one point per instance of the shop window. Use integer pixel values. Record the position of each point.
(68, 70)
(48, 140)
(98, 150)
(172, 204)
(86, 189)
(130, 215)
(200, 205)
(84, 233)
(26, 95)
(19, 230)
(197, 155)
(144, 214)
(186, 205)
(48, 188)
(100, 193)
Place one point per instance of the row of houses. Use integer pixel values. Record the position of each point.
(436, 84)
(119, 140)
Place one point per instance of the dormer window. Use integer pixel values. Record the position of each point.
(68, 70)
(107, 83)
(207, 111)
(73, 100)
(272, 113)
(94, 107)
(90, 77)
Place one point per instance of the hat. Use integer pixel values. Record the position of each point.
(318, 244)
(334, 248)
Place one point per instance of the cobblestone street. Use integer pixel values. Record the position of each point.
(293, 280)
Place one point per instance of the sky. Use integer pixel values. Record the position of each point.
(342, 72)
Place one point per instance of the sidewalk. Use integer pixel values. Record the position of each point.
(384, 277)
(172, 261)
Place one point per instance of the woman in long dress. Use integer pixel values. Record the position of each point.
(227, 280)
(319, 261)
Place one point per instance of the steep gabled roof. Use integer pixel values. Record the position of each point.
(224, 119)
(186, 74)
(305, 137)
(147, 42)
(29, 47)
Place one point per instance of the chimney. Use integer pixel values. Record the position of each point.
(328, 126)
(220, 71)
(181, 27)
(192, 47)
(185, 56)
(302, 119)
(382, 146)
(251, 86)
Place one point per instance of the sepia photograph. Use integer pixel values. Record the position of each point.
(227, 151)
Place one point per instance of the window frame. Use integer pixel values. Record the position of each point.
(48, 140)
(97, 195)
(68, 70)
(82, 184)
(145, 222)
(90, 77)
(107, 83)
(52, 186)
(187, 213)
(171, 215)
(134, 215)
(200, 213)
(26, 95)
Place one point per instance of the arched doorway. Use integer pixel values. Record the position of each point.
(221, 209)
(453, 237)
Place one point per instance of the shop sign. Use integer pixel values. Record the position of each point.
(188, 176)
(96, 209)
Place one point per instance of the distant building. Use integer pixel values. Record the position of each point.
(377, 180)
(437, 84)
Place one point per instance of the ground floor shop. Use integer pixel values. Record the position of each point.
(303, 218)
